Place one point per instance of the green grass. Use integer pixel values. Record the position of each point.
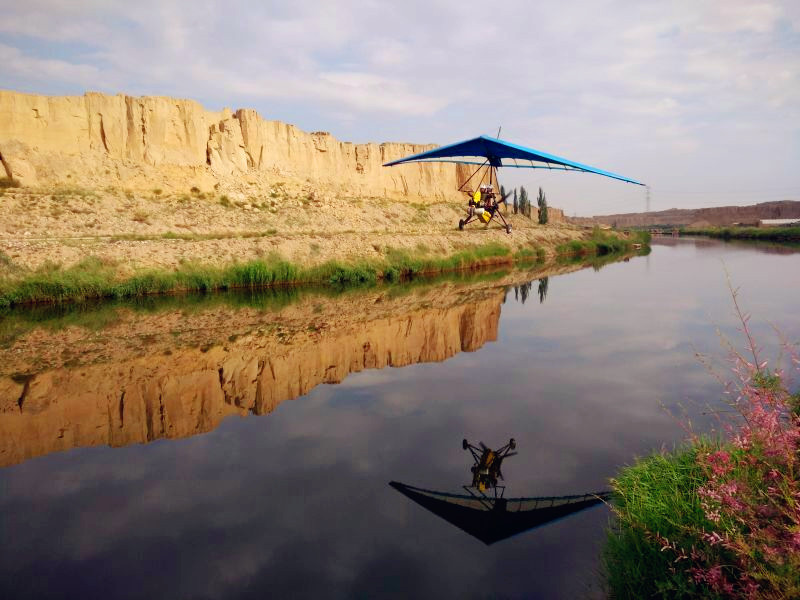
(534, 254)
(96, 314)
(525, 254)
(94, 279)
(603, 242)
(656, 495)
(776, 234)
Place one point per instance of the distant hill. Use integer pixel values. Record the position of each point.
(717, 216)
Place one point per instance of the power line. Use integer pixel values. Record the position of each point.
(774, 190)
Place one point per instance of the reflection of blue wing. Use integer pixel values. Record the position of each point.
(498, 153)
(494, 519)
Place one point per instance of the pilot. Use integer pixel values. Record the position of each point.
(475, 202)
(488, 195)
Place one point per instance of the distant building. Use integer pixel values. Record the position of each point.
(778, 222)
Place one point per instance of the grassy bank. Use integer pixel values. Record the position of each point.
(603, 242)
(705, 521)
(720, 517)
(99, 313)
(775, 234)
(94, 279)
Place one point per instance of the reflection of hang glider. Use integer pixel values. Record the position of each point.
(486, 470)
(494, 519)
(489, 154)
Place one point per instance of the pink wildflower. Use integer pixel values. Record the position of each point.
(712, 538)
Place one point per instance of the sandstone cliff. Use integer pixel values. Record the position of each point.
(101, 140)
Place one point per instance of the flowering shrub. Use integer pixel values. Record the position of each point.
(751, 496)
(721, 518)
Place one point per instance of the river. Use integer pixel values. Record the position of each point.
(243, 446)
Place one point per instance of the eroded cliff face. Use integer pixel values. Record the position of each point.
(97, 139)
(137, 383)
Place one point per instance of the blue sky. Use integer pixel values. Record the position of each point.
(701, 100)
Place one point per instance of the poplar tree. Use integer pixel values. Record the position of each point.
(516, 204)
(542, 202)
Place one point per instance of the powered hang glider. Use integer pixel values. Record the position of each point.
(489, 154)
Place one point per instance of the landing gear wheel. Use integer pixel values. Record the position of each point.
(508, 228)
(461, 224)
(512, 443)
(464, 444)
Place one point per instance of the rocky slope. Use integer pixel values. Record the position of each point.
(718, 215)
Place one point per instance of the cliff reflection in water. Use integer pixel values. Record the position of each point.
(171, 375)
(123, 376)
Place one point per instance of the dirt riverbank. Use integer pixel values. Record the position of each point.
(135, 230)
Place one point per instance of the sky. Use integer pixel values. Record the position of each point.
(698, 99)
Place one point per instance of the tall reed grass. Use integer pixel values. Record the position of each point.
(94, 279)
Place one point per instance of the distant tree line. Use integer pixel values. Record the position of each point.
(521, 204)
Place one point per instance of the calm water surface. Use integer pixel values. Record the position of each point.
(293, 500)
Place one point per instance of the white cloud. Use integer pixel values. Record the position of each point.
(43, 70)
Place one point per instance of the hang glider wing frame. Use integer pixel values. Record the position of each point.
(500, 153)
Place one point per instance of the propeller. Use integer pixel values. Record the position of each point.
(503, 199)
